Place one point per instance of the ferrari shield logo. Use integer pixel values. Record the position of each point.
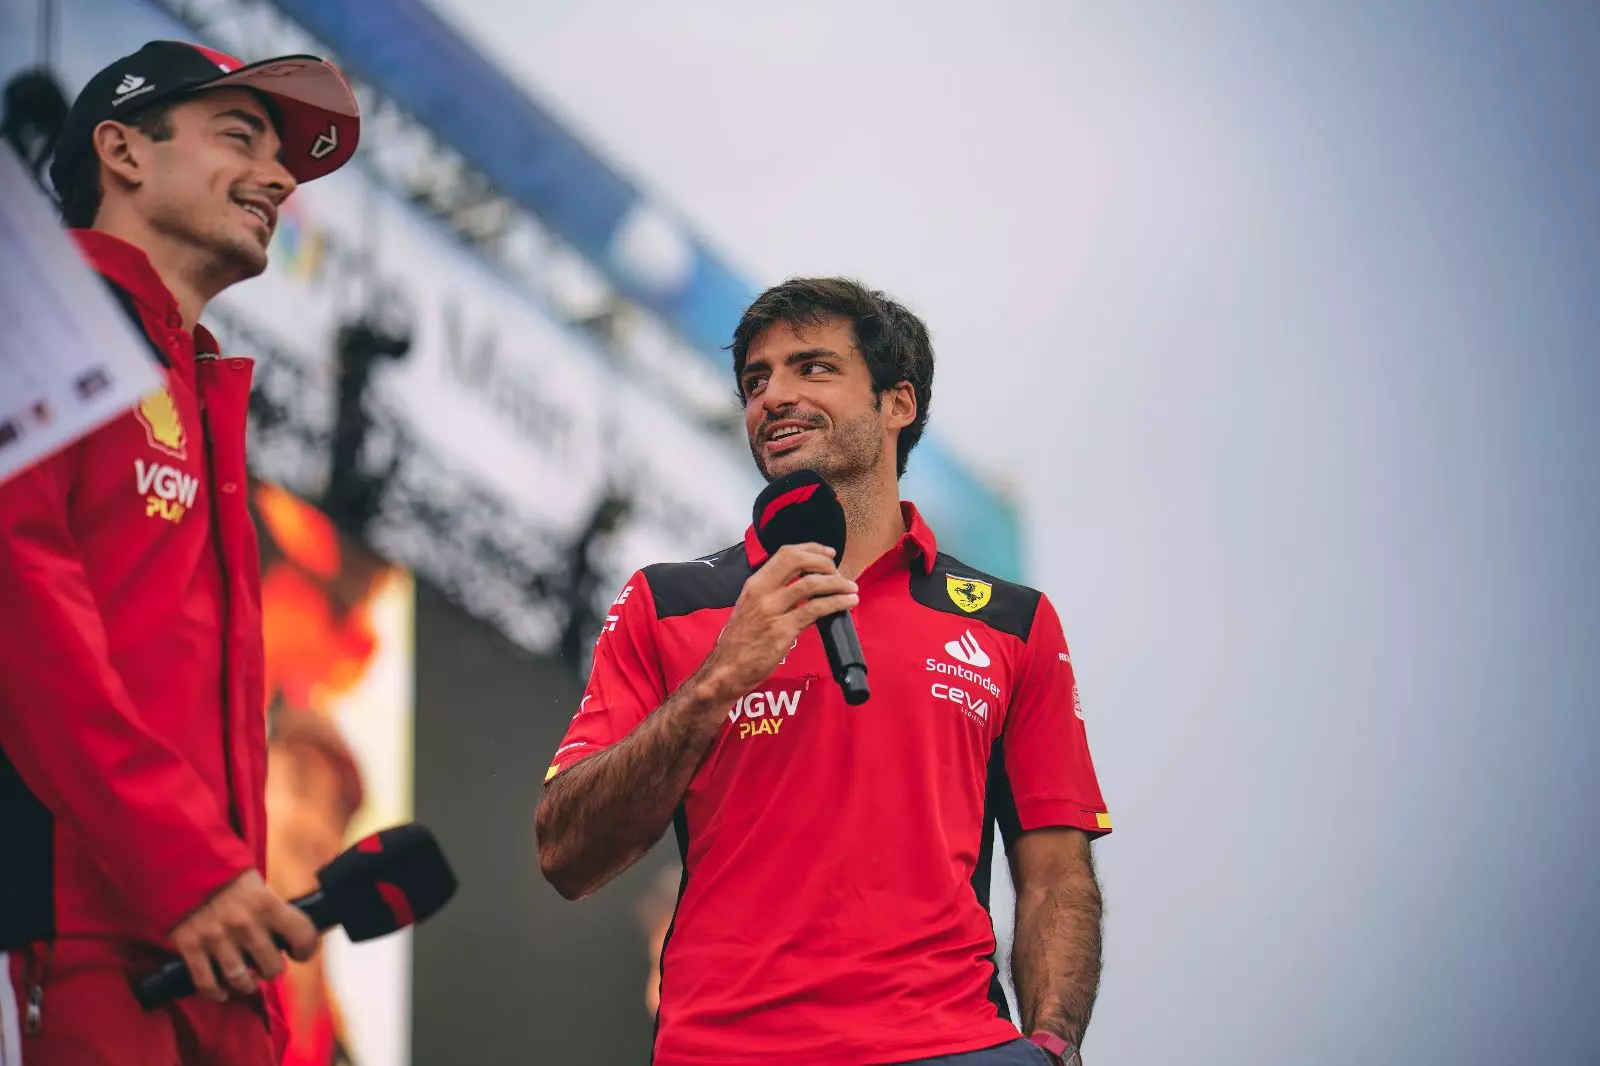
(966, 593)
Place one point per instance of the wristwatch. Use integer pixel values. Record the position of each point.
(1057, 1048)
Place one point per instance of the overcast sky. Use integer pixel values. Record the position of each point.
(1283, 318)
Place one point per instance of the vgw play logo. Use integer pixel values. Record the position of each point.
(168, 493)
(764, 712)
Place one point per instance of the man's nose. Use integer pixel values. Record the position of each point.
(278, 182)
(779, 394)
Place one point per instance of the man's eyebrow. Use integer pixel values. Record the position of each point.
(791, 359)
(255, 122)
(810, 353)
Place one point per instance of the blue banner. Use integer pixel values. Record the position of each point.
(406, 49)
(418, 60)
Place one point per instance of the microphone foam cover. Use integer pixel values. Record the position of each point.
(387, 881)
(799, 508)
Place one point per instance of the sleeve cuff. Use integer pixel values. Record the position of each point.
(1046, 813)
(566, 760)
(198, 886)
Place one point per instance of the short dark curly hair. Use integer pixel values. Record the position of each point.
(894, 341)
(79, 189)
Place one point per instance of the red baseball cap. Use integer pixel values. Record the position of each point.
(319, 121)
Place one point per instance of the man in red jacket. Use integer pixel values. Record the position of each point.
(132, 732)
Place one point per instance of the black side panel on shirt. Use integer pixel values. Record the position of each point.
(999, 808)
(27, 885)
(679, 589)
(1008, 607)
(680, 829)
(712, 582)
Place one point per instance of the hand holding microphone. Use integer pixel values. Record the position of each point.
(387, 881)
(800, 523)
(793, 589)
(242, 921)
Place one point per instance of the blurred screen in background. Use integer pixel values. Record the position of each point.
(337, 624)
(510, 966)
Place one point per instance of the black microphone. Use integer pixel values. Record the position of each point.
(801, 508)
(389, 880)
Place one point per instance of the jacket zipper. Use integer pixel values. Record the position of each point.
(235, 814)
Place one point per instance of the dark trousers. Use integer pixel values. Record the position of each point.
(1017, 1052)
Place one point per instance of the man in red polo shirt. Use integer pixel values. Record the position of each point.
(834, 903)
(132, 731)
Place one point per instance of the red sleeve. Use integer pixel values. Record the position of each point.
(1046, 749)
(625, 683)
(73, 733)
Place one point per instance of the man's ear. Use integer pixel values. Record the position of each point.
(900, 405)
(119, 153)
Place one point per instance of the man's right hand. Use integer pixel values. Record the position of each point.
(239, 921)
(799, 584)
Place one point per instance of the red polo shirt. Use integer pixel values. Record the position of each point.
(836, 859)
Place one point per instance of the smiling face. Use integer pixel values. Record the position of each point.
(809, 403)
(215, 185)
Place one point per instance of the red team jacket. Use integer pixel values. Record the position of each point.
(834, 907)
(132, 728)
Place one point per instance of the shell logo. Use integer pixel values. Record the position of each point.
(163, 425)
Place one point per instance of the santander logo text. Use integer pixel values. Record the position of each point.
(950, 670)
